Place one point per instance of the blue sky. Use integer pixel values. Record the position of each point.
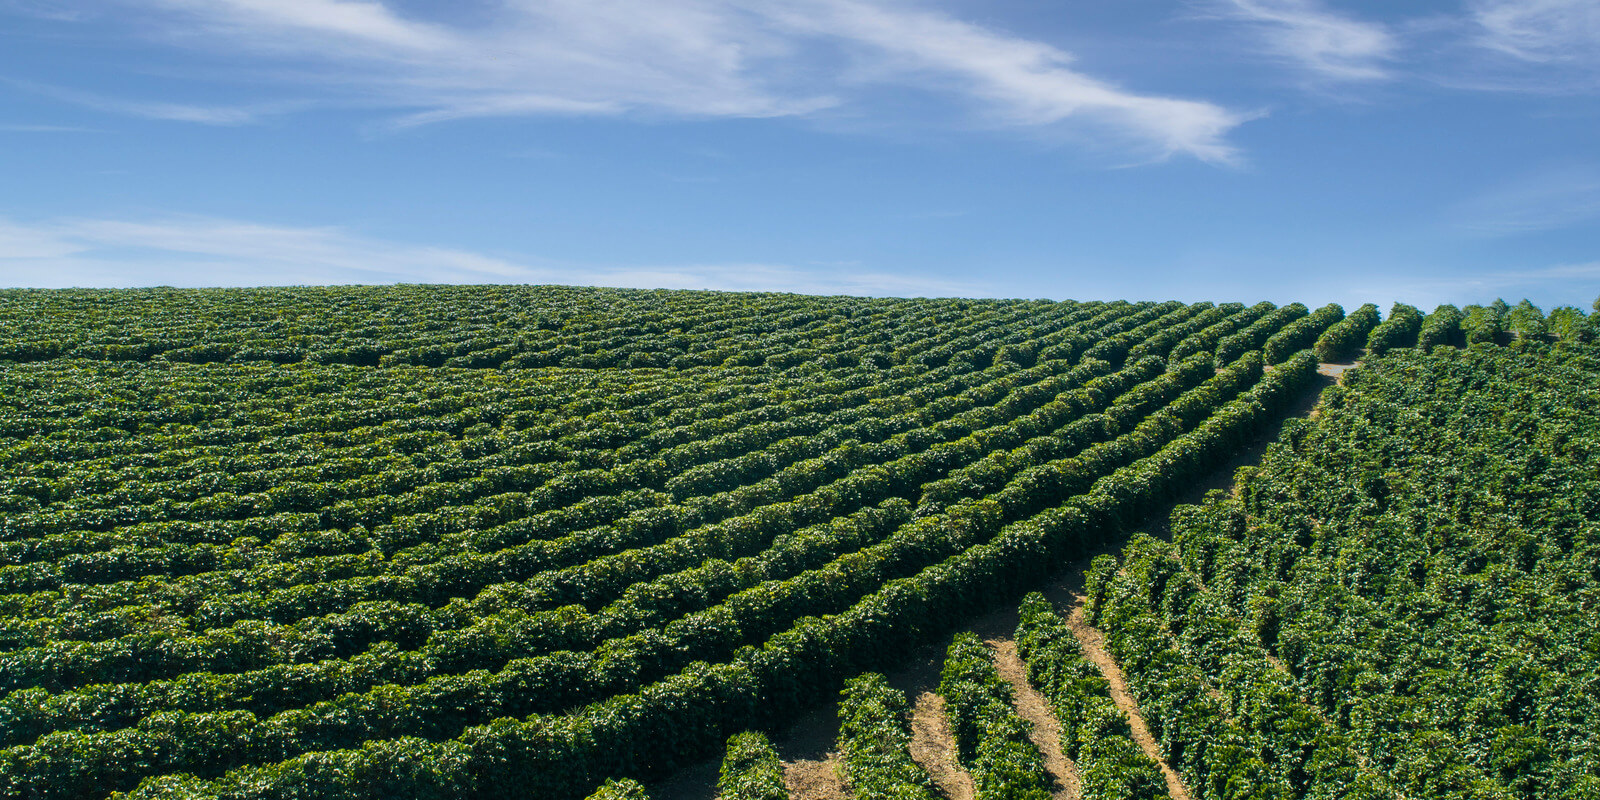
(1145, 149)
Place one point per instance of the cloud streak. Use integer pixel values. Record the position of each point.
(11, 127)
(1330, 46)
(1021, 82)
(1549, 47)
(1546, 286)
(206, 251)
(1541, 46)
(1540, 31)
(175, 112)
(685, 59)
(40, 9)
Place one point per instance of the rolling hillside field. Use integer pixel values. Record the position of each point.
(549, 542)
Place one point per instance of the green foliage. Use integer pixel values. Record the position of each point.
(1399, 330)
(992, 740)
(1257, 333)
(1441, 328)
(1094, 732)
(1395, 603)
(1568, 324)
(1485, 324)
(1525, 321)
(874, 740)
(509, 541)
(751, 769)
(1301, 333)
(623, 789)
(1096, 582)
(1341, 340)
(683, 716)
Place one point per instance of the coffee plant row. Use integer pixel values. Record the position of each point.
(493, 541)
(875, 743)
(1400, 600)
(993, 742)
(1095, 733)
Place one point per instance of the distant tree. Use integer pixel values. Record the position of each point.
(1341, 340)
(623, 789)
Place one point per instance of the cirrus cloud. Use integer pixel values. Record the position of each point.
(1540, 31)
(686, 59)
(187, 250)
(1328, 45)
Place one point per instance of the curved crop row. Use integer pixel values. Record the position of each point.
(992, 741)
(1094, 732)
(681, 717)
(569, 679)
(874, 743)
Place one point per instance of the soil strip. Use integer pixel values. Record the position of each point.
(806, 743)
(1035, 709)
(817, 779)
(1094, 649)
(933, 746)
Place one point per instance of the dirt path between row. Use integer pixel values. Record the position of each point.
(1094, 649)
(806, 744)
(815, 778)
(1221, 478)
(1035, 709)
(933, 746)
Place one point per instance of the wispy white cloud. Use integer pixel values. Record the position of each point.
(9, 127)
(176, 112)
(24, 242)
(348, 20)
(687, 58)
(1018, 81)
(592, 57)
(41, 9)
(189, 249)
(206, 251)
(1548, 199)
(1540, 31)
(1587, 270)
(1539, 46)
(784, 278)
(1543, 46)
(1560, 284)
(1329, 45)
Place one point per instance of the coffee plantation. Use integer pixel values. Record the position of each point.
(487, 542)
